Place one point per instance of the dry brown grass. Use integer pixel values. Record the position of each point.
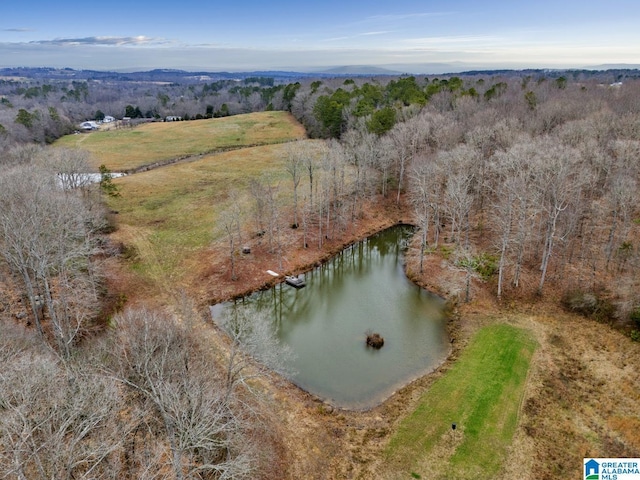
(583, 395)
(167, 216)
(128, 148)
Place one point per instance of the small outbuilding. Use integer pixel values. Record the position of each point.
(89, 126)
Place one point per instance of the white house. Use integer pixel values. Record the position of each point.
(108, 119)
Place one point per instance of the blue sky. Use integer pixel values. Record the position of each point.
(409, 35)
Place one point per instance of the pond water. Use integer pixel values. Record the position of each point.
(363, 289)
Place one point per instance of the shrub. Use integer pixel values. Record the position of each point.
(634, 316)
(589, 304)
(129, 252)
(486, 265)
(446, 251)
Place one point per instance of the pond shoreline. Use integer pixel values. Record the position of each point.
(309, 424)
(317, 259)
(409, 352)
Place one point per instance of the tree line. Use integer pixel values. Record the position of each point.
(522, 183)
(42, 110)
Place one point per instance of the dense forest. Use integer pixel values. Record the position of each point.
(40, 105)
(527, 182)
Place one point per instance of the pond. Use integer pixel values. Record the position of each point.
(363, 289)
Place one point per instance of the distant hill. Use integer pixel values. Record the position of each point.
(198, 77)
(157, 75)
(183, 76)
(359, 70)
(615, 66)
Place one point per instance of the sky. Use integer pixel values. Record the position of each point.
(404, 35)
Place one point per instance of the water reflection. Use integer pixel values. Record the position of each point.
(363, 288)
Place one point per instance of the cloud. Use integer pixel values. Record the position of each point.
(97, 57)
(18, 30)
(385, 23)
(140, 40)
(365, 29)
(420, 54)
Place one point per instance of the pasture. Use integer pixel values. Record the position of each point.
(166, 217)
(127, 148)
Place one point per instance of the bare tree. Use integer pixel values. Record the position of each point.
(72, 167)
(229, 224)
(59, 419)
(310, 166)
(334, 176)
(161, 359)
(459, 194)
(384, 163)
(294, 162)
(486, 140)
(361, 153)
(26, 154)
(227, 221)
(560, 184)
(511, 206)
(46, 238)
(306, 214)
(274, 225)
(257, 191)
(622, 197)
(255, 349)
(425, 178)
(405, 139)
(516, 205)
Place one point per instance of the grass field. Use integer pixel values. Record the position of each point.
(127, 148)
(481, 394)
(167, 216)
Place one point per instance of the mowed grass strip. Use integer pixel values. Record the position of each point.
(482, 394)
(126, 148)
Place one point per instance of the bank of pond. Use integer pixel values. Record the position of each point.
(361, 290)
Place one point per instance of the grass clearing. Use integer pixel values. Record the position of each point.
(481, 394)
(169, 214)
(127, 148)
